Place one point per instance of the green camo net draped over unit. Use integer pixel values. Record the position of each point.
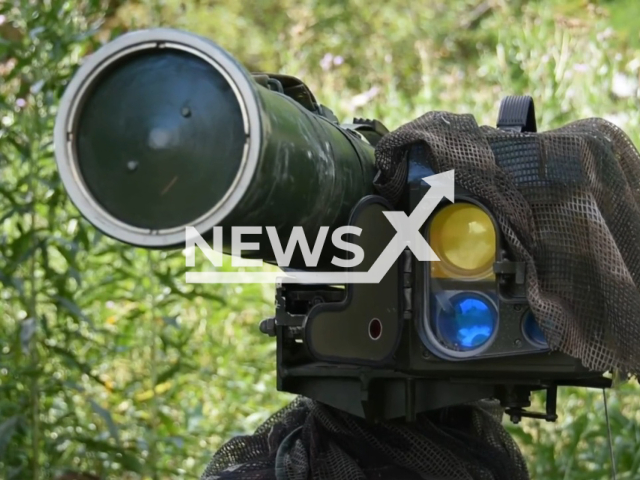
(568, 203)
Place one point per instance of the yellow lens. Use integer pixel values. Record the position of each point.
(464, 238)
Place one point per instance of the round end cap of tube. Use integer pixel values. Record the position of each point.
(157, 131)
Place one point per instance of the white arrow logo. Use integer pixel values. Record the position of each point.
(407, 235)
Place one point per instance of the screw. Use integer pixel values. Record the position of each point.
(132, 165)
(186, 112)
(517, 308)
(517, 342)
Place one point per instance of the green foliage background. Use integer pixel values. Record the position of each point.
(109, 364)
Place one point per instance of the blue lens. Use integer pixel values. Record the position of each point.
(532, 331)
(466, 321)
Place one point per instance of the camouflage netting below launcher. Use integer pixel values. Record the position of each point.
(568, 203)
(308, 440)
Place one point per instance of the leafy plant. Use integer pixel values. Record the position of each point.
(109, 363)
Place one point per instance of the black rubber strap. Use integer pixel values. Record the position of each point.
(518, 114)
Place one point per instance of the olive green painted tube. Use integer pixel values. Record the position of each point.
(162, 129)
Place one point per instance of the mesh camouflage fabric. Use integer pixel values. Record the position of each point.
(568, 204)
(311, 441)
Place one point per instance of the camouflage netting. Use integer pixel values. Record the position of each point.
(568, 204)
(311, 441)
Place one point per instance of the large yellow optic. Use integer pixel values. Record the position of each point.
(464, 238)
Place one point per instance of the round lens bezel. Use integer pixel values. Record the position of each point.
(449, 268)
(529, 314)
(433, 336)
(80, 87)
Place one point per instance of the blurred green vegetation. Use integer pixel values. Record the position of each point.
(109, 364)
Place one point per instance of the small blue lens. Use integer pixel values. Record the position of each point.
(466, 322)
(532, 331)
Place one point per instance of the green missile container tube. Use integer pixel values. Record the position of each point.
(162, 129)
